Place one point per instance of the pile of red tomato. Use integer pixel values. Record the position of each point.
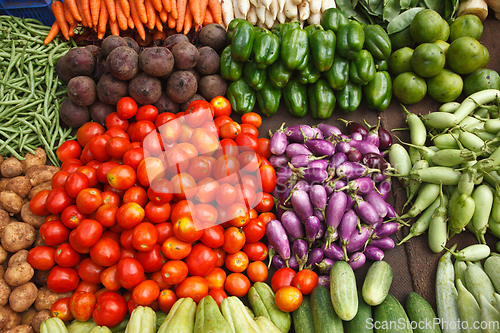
(120, 233)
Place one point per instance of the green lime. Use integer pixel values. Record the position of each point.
(481, 79)
(409, 88)
(401, 39)
(465, 55)
(445, 87)
(400, 61)
(428, 60)
(445, 31)
(466, 25)
(443, 45)
(427, 26)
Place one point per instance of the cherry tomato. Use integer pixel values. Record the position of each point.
(60, 309)
(163, 118)
(88, 233)
(82, 304)
(152, 260)
(247, 140)
(195, 287)
(146, 292)
(237, 284)
(54, 233)
(129, 273)
(113, 120)
(144, 236)
(187, 229)
(263, 149)
(201, 260)
(126, 108)
(266, 203)
(75, 182)
(237, 262)
(66, 256)
(254, 230)
(106, 252)
(117, 147)
(134, 156)
(252, 118)
(268, 178)
(230, 130)
(174, 272)
(41, 258)
(110, 310)
(288, 299)
(88, 200)
(69, 149)
(122, 177)
(234, 240)
(166, 299)
(165, 230)
(62, 279)
(257, 271)
(87, 131)
(218, 294)
(282, 278)
(147, 112)
(130, 215)
(91, 174)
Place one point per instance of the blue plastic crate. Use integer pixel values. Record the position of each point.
(38, 10)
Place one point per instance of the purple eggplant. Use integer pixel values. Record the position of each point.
(373, 253)
(317, 133)
(279, 211)
(348, 225)
(314, 175)
(299, 133)
(278, 161)
(321, 147)
(337, 160)
(322, 232)
(315, 257)
(302, 185)
(357, 136)
(324, 280)
(343, 147)
(375, 161)
(334, 251)
(385, 243)
(297, 149)
(354, 155)
(384, 188)
(278, 262)
(364, 147)
(278, 142)
(301, 161)
(276, 192)
(276, 235)
(386, 229)
(319, 214)
(283, 174)
(361, 185)
(353, 170)
(302, 204)
(284, 197)
(354, 127)
(325, 266)
(391, 212)
(377, 201)
(329, 130)
(373, 136)
(293, 263)
(366, 212)
(385, 138)
(318, 196)
(300, 249)
(292, 224)
(379, 177)
(335, 185)
(312, 226)
(351, 200)
(334, 212)
(358, 240)
(357, 260)
(319, 164)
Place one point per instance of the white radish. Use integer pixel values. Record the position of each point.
(252, 15)
(236, 8)
(315, 6)
(281, 5)
(269, 19)
(227, 12)
(261, 25)
(327, 4)
(274, 9)
(254, 3)
(266, 3)
(476, 7)
(304, 10)
(281, 17)
(314, 18)
(244, 7)
(291, 10)
(261, 12)
(296, 2)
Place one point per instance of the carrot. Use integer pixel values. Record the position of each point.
(74, 9)
(57, 8)
(182, 9)
(130, 22)
(167, 6)
(115, 29)
(204, 6)
(216, 8)
(68, 16)
(171, 21)
(175, 9)
(158, 23)
(80, 10)
(95, 7)
(120, 17)
(124, 4)
(209, 18)
(163, 15)
(137, 21)
(72, 29)
(110, 6)
(86, 12)
(103, 20)
(157, 4)
(150, 11)
(141, 11)
(196, 10)
(52, 33)
(188, 20)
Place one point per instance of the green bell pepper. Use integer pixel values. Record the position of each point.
(242, 41)
(253, 75)
(266, 49)
(350, 40)
(377, 41)
(338, 74)
(282, 28)
(232, 25)
(241, 96)
(378, 92)
(322, 43)
(268, 98)
(333, 19)
(382, 65)
(309, 74)
(278, 74)
(294, 47)
(322, 99)
(362, 68)
(349, 97)
(295, 96)
(229, 69)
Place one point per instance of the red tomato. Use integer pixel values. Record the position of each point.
(60, 309)
(82, 304)
(97, 146)
(88, 200)
(140, 130)
(207, 189)
(41, 258)
(187, 229)
(76, 182)
(74, 243)
(226, 169)
(252, 118)
(218, 294)
(144, 236)
(234, 240)
(229, 148)
(254, 230)
(237, 262)
(163, 118)
(173, 248)
(249, 161)
(87, 131)
(256, 251)
(305, 280)
(237, 215)
(199, 167)
(267, 177)
(62, 279)
(66, 256)
(117, 147)
(230, 130)
(110, 310)
(166, 299)
(151, 260)
(54, 233)
(225, 195)
(221, 256)
(89, 287)
(147, 112)
(89, 271)
(116, 132)
(195, 287)
(135, 194)
(91, 174)
(126, 108)
(88, 233)
(184, 186)
(156, 276)
(174, 272)
(59, 178)
(176, 160)
(106, 252)
(206, 214)
(130, 215)
(210, 126)
(288, 299)
(160, 191)
(198, 112)
(221, 120)
(134, 156)
(266, 217)
(170, 131)
(237, 284)
(113, 120)
(247, 140)
(106, 215)
(146, 292)
(282, 278)
(149, 169)
(86, 155)
(122, 177)
(205, 141)
(157, 213)
(215, 278)
(153, 143)
(249, 129)
(110, 197)
(165, 230)
(263, 149)
(266, 203)
(221, 105)
(183, 208)
(201, 260)
(108, 278)
(69, 149)
(257, 271)
(57, 200)
(129, 273)
(213, 237)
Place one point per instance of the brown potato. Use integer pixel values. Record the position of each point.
(4, 219)
(3, 183)
(11, 167)
(39, 318)
(8, 318)
(3, 255)
(17, 236)
(18, 274)
(46, 298)
(28, 315)
(165, 104)
(39, 158)
(11, 202)
(41, 173)
(39, 241)
(40, 277)
(19, 256)
(20, 329)
(30, 218)
(40, 187)
(22, 297)
(4, 292)
(20, 185)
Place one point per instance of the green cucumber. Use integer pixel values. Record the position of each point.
(360, 323)
(343, 290)
(324, 316)
(421, 314)
(390, 317)
(377, 283)
(303, 321)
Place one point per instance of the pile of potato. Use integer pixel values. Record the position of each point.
(25, 301)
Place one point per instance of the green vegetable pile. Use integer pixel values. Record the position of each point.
(30, 92)
(313, 68)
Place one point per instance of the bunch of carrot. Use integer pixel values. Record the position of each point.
(181, 15)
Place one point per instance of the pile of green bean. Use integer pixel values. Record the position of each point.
(454, 182)
(30, 91)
